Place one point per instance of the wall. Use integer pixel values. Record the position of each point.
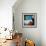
(28, 6)
(6, 13)
(43, 22)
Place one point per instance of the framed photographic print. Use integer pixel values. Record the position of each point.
(29, 20)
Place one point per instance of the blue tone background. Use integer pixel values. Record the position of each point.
(27, 17)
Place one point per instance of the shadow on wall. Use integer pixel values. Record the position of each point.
(36, 40)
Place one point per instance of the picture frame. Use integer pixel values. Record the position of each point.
(29, 20)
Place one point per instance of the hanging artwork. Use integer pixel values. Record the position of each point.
(29, 20)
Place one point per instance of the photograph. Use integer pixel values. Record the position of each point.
(29, 20)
